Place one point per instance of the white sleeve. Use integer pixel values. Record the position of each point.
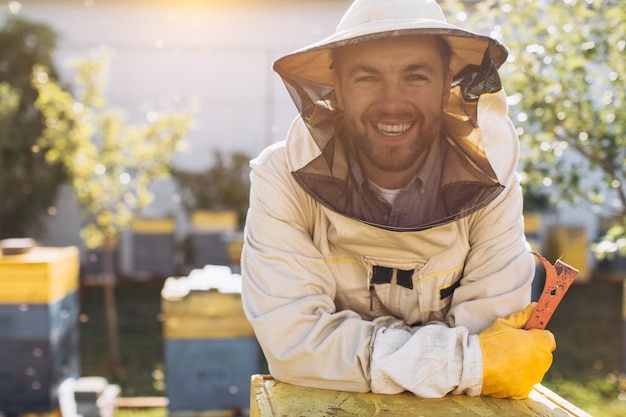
(288, 290)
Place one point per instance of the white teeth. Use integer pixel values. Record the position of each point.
(393, 129)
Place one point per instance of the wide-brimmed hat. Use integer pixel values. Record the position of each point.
(375, 19)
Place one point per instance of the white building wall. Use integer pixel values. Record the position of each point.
(216, 54)
(212, 56)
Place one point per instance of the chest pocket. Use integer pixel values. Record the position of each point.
(404, 278)
(446, 291)
(436, 290)
(383, 275)
(417, 296)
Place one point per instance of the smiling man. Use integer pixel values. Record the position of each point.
(392, 93)
(384, 242)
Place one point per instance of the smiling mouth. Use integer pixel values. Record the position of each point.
(392, 129)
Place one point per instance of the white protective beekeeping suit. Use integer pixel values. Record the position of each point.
(311, 253)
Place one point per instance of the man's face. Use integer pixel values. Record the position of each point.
(392, 92)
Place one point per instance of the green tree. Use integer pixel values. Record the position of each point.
(566, 82)
(28, 184)
(9, 105)
(109, 162)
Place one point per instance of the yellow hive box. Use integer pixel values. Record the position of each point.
(42, 275)
(199, 314)
(532, 224)
(153, 226)
(270, 398)
(197, 327)
(234, 251)
(205, 221)
(570, 245)
(208, 303)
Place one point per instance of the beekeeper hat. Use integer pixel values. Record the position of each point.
(375, 19)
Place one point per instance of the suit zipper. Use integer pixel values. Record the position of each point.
(393, 285)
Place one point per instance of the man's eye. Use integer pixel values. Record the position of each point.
(417, 77)
(366, 78)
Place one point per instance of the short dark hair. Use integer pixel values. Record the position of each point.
(444, 48)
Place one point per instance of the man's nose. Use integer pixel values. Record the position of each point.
(393, 97)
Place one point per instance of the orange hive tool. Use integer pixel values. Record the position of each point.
(559, 277)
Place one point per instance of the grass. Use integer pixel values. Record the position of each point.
(586, 370)
(587, 364)
(141, 344)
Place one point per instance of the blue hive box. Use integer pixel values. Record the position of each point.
(39, 321)
(32, 370)
(39, 333)
(210, 350)
(210, 374)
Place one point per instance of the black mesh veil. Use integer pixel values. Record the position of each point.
(469, 181)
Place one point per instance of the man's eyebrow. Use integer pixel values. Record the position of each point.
(363, 68)
(423, 66)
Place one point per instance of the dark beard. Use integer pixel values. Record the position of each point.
(395, 158)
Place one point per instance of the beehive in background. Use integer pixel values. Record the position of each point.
(39, 334)
(234, 242)
(210, 350)
(153, 247)
(532, 230)
(571, 245)
(535, 238)
(212, 232)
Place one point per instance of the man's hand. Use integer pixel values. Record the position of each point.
(514, 360)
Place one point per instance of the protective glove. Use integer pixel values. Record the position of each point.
(514, 360)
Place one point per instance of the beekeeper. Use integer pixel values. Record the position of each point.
(385, 234)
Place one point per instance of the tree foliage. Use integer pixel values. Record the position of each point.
(566, 82)
(28, 184)
(110, 163)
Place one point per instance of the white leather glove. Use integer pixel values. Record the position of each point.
(430, 363)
